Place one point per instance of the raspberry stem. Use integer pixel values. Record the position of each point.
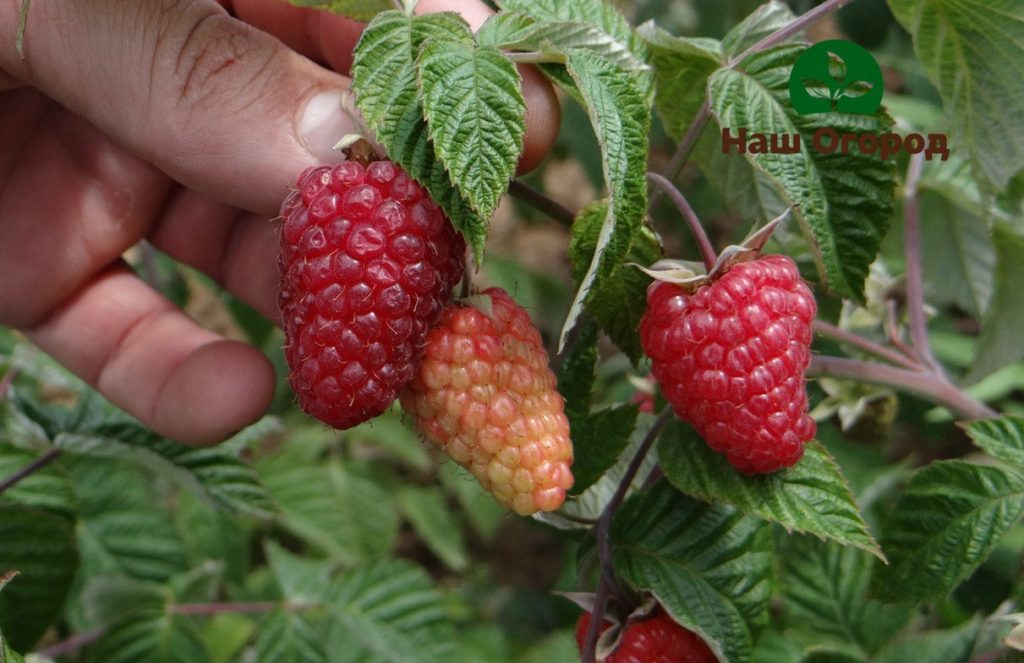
(915, 280)
(849, 338)
(608, 582)
(707, 252)
(540, 202)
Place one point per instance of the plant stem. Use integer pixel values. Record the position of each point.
(72, 644)
(30, 469)
(541, 202)
(802, 22)
(218, 608)
(601, 533)
(707, 252)
(912, 249)
(831, 331)
(933, 386)
(686, 145)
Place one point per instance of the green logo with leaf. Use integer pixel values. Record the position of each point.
(836, 76)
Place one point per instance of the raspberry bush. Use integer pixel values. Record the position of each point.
(664, 399)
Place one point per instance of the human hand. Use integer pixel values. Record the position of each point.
(176, 122)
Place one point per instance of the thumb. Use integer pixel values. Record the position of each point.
(216, 104)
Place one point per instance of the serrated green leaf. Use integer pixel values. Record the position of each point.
(599, 14)
(301, 579)
(844, 200)
(576, 372)
(333, 506)
(765, 20)
(360, 10)
(1001, 342)
(40, 546)
(709, 566)
(389, 435)
(682, 66)
(621, 121)
(812, 496)
(944, 525)
(482, 512)
(151, 633)
(286, 637)
(955, 40)
(122, 527)
(824, 591)
(388, 612)
(47, 488)
(618, 297)
(387, 93)
(431, 519)
(957, 256)
(474, 109)
(950, 646)
(209, 534)
(110, 599)
(1001, 438)
(598, 439)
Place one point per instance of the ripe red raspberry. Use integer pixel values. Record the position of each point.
(657, 639)
(485, 395)
(731, 357)
(367, 264)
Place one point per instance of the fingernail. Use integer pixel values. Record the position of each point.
(323, 123)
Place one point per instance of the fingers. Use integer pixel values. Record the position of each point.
(237, 249)
(148, 358)
(213, 102)
(329, 38)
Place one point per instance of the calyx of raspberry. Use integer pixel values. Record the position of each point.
(688, 274)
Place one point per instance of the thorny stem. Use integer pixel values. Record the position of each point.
(912, 247)
(601, 531)
(29, 470)
(929, 384)
(541, 202)
(849, 338)
(707, 252)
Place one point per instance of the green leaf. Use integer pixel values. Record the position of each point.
(599, 14)
(765, 20)
(286, 637)
(621, 121)
(47, 488)
(1001, 438)
(149, 631)
(824, 591)
(8, 655)
(433, 522)
(226, 635)
(618, 298)
(812, 496)
(216, 474)
(387, 93)
(682, 66)
(483, 513)
(709, 566)
(301, 579)
(576, 372)
(519, 32)
(950, 646)
(122, 528)
(334, 506)
(955, 40)
(475, 110)
(845, 200)
(360, 10)
(957, 256)
(40, 546)
(598, 439)
(557, 647)
(944, 525)
(388, 612)
(1001, 342)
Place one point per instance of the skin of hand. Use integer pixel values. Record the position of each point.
(182, 122)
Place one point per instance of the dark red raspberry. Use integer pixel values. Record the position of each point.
(731, 357)
(367, 264)
(657, 639)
